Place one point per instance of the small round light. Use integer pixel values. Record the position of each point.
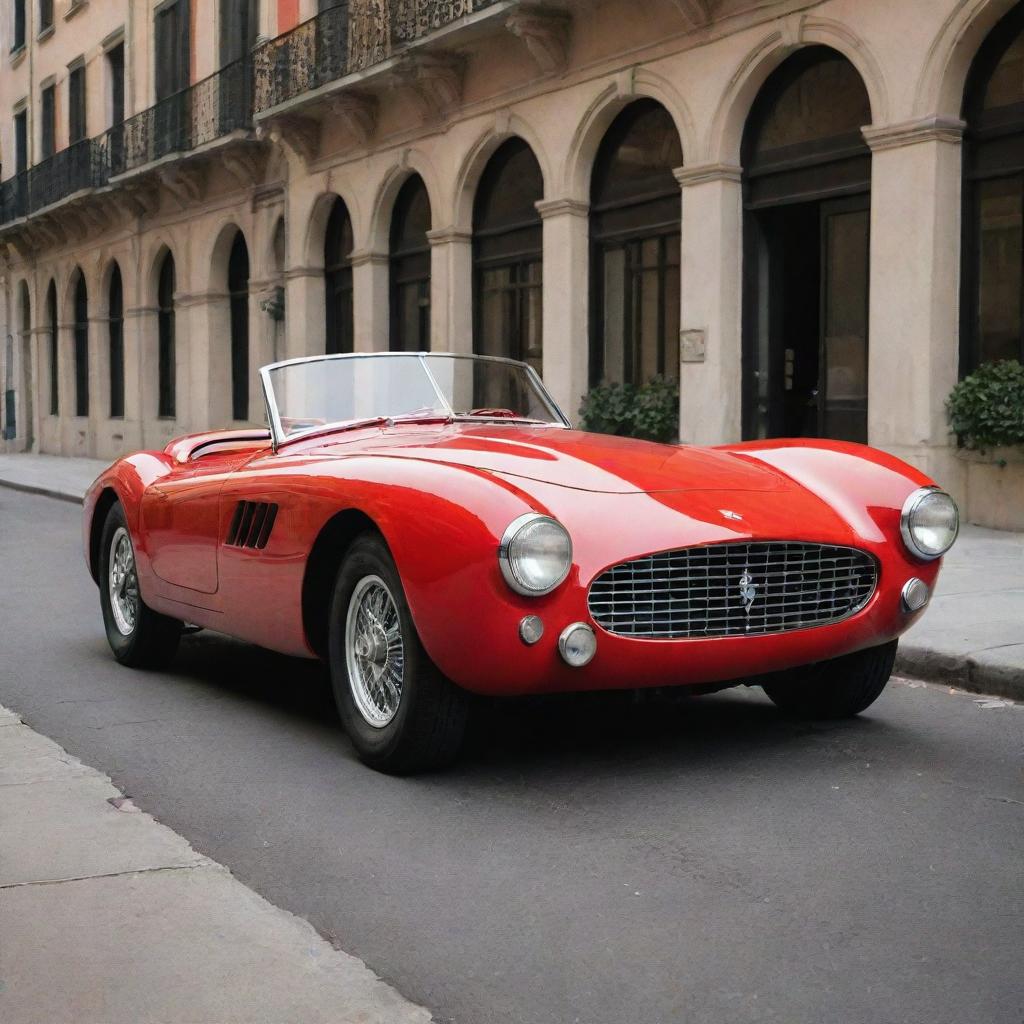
(535, 554)
(531, 629)
(915, 595)
(929, 523)
(577, 645)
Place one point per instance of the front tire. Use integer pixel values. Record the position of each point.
(138, 636)
(400, 712)
(839, 688)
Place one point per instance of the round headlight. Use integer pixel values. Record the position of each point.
(929, 523)
(535, 554)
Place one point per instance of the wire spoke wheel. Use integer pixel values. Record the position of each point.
(374, 651)
(123, 583)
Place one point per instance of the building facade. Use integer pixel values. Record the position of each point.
(810, 213)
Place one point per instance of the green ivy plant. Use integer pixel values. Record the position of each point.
(649, 411)
(986, 409)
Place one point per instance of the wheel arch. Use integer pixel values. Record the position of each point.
(106, 500)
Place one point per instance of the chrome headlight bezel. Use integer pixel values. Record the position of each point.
(506, 557)
(910, 507)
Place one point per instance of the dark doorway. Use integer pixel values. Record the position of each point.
(410, 269)
(807, 195)
(53, 346)
(238, 289)
(115, 318)
(81, 347)
(173, 71)
(166, 355)
(338, 280)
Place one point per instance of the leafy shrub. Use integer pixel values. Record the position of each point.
(986, 409)
(650, 411)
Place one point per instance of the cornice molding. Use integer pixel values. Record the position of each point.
(910, 133)
(703, 173)
(562, 208)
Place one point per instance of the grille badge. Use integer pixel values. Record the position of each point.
(748, 590)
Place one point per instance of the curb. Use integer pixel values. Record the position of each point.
(961, 671)
(46, 492)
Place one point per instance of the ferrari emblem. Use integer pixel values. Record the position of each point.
(748, 591)
(728, 514)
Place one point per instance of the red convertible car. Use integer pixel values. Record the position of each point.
(432, 527)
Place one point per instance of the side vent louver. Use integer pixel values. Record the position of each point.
(251, 524)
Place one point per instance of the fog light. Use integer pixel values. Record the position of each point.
(577, 645)
(531, 629)
(915, 595)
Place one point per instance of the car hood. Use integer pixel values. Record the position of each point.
(572, 459)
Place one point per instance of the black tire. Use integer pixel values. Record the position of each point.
(152, 641)
(429, 725)
(840, 688)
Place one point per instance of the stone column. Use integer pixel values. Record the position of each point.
(202, 342)
(451, 290)
(305, 326)
(99, 388)
(371, 303)
(140, 374)
(566, 300)
(914, 322)
(711, 346)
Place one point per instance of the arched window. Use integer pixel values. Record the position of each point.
(410, 269)
(238, 289)
(635, 239)
(993, 320)
(81, 347)
(10, 429)
(166, 358)
(338, 279)
(54, 347)
(807, 197)
(115, 326)
(508, 256)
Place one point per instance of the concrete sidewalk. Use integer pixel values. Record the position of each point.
(108, 917)
(971, 637)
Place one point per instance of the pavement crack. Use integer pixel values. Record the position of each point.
(199, 864)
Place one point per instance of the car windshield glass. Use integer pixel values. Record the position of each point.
(308, 394)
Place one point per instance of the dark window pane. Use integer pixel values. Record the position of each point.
(54, 345)
(238, 287)
(166, 359)
(115, 313)
(81, 348)
(19, 24)
(76, 104)
(1000, 247)
(1005, 85)
(115, 64)
(21, 142)
(45, 14)
(410, 269)
(48, 125)
(338, 279)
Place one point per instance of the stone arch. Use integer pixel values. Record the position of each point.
(316, 225)
(604, 109)
(158, 250)
(224, 239)
(412, 162)
(726, 132)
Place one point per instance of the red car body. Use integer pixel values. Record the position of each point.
(442, 495)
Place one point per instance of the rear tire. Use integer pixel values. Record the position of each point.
(400, 712)
(138, 636)
(839, 688)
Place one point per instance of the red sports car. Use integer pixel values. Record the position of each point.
(432, 527)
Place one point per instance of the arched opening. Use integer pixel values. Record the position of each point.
(81, 332)
(53, 348)
(635, 248)
(338, 280)
(166, 356)
(115, 329)
(508, 257)
(993, 259)
(807, 197)
(410, 268)
(238, 292)
(12, 385)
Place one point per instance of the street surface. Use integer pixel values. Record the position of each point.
(677, 862)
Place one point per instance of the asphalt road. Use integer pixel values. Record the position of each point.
(684, 862)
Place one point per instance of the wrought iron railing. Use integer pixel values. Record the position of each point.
(349, 37)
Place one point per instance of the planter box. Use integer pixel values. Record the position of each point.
(995, 488)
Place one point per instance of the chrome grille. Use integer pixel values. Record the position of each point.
(744, 589)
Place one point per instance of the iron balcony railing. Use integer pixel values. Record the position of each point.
(349, 37)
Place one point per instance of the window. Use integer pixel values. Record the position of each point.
(635, 238)
(115, 69)
(19, 25)
(993, 261)
(81, 347)
(115, 315)
(508, 256)
(45, 15)
(166, 359)
(410, 269)
(21, 141)
(239, 27)
(76, 104)
(54, 347)
(338, 279)
(48, 123)
(171, 121)
(238, 288)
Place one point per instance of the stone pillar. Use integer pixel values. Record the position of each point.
(264, 344)
(99, 386)
(305, 325)
(202, 336)
(914, 322)
(140, 373)
(371, 302)
(451, 290)
(711, 345)
(566, 299)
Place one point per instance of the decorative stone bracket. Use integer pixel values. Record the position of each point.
(356, 112)
(546, 33)
(298, 132)
(184, 182)
(695, 12)
(435, 79)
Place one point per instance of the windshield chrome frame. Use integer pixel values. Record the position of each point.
(278, 436)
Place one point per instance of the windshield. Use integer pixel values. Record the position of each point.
(308, 394)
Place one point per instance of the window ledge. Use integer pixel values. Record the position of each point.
(18, 55)
(45, 33)
(74, 7)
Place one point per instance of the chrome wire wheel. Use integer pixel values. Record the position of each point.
(374, 651)
(123, 583)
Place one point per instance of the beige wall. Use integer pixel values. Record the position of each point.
(559, 92)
